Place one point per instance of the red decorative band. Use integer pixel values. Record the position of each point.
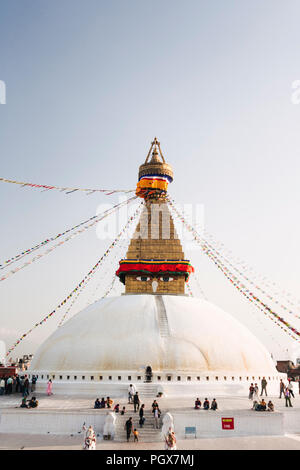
(152, 268)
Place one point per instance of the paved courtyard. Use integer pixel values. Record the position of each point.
(75, 404)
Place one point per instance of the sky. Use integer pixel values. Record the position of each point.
(88, 86)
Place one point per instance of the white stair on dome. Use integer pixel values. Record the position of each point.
(163, 324)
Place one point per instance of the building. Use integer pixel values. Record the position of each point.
(154, 335)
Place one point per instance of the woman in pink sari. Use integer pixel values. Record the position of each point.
(49, 387)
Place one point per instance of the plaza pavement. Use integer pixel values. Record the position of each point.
(73, 404)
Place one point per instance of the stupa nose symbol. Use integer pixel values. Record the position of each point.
(154, 286)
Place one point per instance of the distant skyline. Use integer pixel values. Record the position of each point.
(88, 86)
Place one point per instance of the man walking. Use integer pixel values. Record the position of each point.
(136, 402)
(281, 388)
(128, 427)
(264, 386)
(290, 387)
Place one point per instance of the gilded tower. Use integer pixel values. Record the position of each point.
(155, 261)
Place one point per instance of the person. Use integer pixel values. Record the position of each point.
(270, 406)
(97, 404)
(197, 404)
(251, 391)
(264, 386)
(24, 403)
(256, 390)
(136, 435)
(26, 385)
(156, 417)
(263, 405)
(287, 396)
(117, 408)
(109, 402)
(131, 392)
(2, 386)
(123, 411)
(254, 406)
(33, 383)
(290, 387)
(33, 403)
(281, 388)
(9, 385)
(136, 402)
(102, 403)
(154, 405)
(128, 427)
(141, 413)
(22, 384)
(206, 404)
(90, 439)
(170, 441)
(214, 405)
(49, 388)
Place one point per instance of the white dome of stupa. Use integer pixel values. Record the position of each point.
(170, 333)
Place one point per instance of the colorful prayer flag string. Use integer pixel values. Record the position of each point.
(66, 190)
(93, 220)
(234, 280)
(75, 290)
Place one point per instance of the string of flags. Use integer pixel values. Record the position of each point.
(77, 288)
(118, 240)
(93, 220)
(288, 310)
(264, 280)
(65, 189)
(287, 327)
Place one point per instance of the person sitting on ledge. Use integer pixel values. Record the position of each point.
(97, 404)
(206, 404)
(270, 406)
(117, 408)
(109, 402)
(24, 403)
(197, 404)
(263, 405)
(254, 406)
(102, 403)
(214, 405)
(33, 403)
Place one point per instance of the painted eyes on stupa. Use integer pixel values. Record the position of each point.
(147, 278)
(166, 279)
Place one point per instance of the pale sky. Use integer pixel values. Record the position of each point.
(88, 86)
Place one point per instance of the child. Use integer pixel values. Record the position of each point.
(136, 435)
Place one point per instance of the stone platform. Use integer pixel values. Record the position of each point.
(66, 415)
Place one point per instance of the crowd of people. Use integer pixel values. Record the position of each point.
(17, 384)
(206, 404)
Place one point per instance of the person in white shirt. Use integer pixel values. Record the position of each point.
(290, 387)
(2, 386)
(131, 392)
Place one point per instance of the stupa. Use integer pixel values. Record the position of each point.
(153, 335)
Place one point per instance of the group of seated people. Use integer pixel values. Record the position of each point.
(117, 409)
(263, 406)
(206, 404)
(103, 403)
(32, 403)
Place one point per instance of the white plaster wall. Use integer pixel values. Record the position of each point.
(209, 424)
(36, 422)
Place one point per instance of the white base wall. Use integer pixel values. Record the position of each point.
(209, 424)
(30, 422)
